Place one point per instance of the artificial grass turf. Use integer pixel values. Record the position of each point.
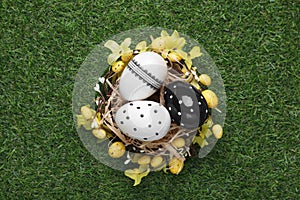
(255, 45)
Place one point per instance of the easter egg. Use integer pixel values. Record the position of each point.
(211, 98)
(205, 79)
(176, 165)
(99, 133)
(218, 131)
(116, 150)
(178, 142)
(143, 76)
(186, 105)
(156, 161)
(144, 160)
(118, 66)
(143, 120)
(86, 112)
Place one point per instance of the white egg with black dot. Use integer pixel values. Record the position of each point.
(143, 120)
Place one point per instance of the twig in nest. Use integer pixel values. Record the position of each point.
(117, 132)
(162, 146)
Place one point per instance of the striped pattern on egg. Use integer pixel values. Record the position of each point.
(143, 76)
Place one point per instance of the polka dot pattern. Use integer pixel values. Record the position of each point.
(143, 120)
(186, 105)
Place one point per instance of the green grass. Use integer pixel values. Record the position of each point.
(255, 45)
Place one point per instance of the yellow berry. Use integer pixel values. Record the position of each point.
(205, 79)
(86, 112)
(211, 98)
(178, 142)
(217, 131)
(156, 161)
(118, 66)
(175, 165)
(127, 57)
(99, 133)
(136, 157)
(116, 150)
(144, 160)
(174, 57)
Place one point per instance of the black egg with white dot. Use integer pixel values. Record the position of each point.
(186, 105)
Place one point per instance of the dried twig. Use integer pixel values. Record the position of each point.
(162, 146)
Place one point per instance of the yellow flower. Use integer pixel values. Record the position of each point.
(208, 123)
(205, 133)
(174, 41)
(86, 117)
(118, 50)
(142, 46)
(200, 141)
(166, 43)
(194, 53)
(174, 57)
(136, 175)
(81, 121)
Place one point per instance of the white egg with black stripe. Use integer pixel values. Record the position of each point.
(143, 120)
(186, 105)
(143, 76)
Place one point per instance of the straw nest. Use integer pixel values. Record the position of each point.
(108, 107)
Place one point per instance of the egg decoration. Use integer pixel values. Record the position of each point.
(186, 104)
(156, 161)
(211, 98)
(143, 120)
(143, 75)
(176, 165)
(116, 150)
(154, 103)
